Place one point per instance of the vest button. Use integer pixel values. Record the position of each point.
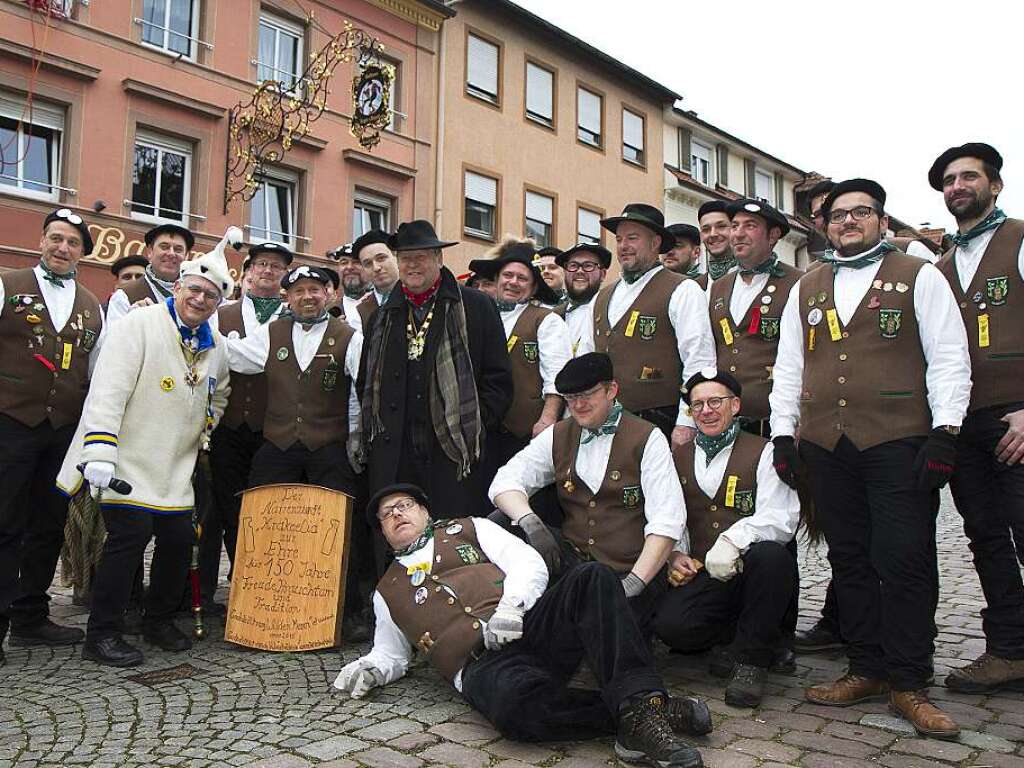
(53, 391)
(714, 507)
(842, 355)
(715, 525)
(451, 601)
(476, 625)
(735, 351)
(434, 578)
(591, 522)
(842, 379)
(49, 409)
(846, 334)
(248, 399)
(732, 369)
(607, 333)
(298, 420)
(467, 609)
(437, 589)
(590, 542)
(842, 402)
(592, 503)
(963, 305)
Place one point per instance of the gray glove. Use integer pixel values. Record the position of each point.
(632, 584)
(359, 677)
(506, 625)
(541, 539)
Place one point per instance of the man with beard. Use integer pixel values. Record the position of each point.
(167, 245)
(985, 269)
(380, 266)
(873, 370)
(715, 230)
(652, 322)
(546, 261)
(585, 266)
(353, 286)
(684, 258)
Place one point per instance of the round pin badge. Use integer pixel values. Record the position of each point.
(418, 577)
(814, 316)
(886, 287)
(766, 299)
(876, 284)
(810, 302)
(976, 298)
(771, 288)
(821, 297)
(282, 353)
(454, 528)
(983, 305)
(421, 595)
(234, 335)
(167, 383)
(26, 300)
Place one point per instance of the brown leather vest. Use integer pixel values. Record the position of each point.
(442, 616)
(996, 294)
(311, 406)
(642, 345)
(140, 289)
(706, 517)
(527, 384)
(247, 403)
(44, 373)
(366, 307)
(606, 526)
(869, 384)
(748, 350)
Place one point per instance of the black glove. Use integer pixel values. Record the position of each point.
(936, 460)
(541, 539)
(786, 460)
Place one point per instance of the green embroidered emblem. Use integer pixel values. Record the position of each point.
(88, 340)
(632, 496)
(531, 351)
(770, 328)
(468, 554)
(889, 322)
(647, 325)
(744, 501)
(329, 380)
(996, 289)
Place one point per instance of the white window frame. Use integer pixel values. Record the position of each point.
(537, 117)
(193, 33)
(599, 144)
(769, 178)
(581, 236)
(364, 201)
(474, 90)
(282, 26)
(42, 115)
(466, 197)
(701, 152)
(163, 144)
(547, 227)
(641, 151)
(279, 177)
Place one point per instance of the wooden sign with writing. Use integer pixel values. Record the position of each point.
(288, 585)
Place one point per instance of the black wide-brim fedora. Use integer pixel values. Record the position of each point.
(647, 216)
(416, 235)
(519, 253)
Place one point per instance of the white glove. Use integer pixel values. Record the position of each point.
(357, 678)
(506, 625)
(98, 474)
(723, 560)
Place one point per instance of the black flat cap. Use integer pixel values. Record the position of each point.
(306, 271)
(823, 187)
(602, 253)
(583, 372)
(389, 490)
(276, 248)
(647, 216)
(547, 250)
(415, 236)
(170, 229)
(870, 188)
(70, 217)
(343, 251)
(128, 261)
(686, 232)
(712, 374)
(372, 237)
(711, 206)
(984, 152)
(759, 208)
(333, 276)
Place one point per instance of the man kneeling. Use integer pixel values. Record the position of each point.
(740, 516)
(471, 597)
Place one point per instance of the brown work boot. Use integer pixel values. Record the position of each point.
(987, 674)
(927, 719)
(847, 690)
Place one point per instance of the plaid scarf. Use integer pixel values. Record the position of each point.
(54, 278)
(712, 446)
(694, 271)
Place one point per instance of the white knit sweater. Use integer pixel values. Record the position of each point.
(141, 415)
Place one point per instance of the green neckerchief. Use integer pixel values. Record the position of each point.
(265, 306)
(718, 267)
(164, 287)
(993, 220)
(632, 277)
(769, 266)
(307, 324)
(355, 293)
(694, 271)
(53, 278)
(508, 306)
(712, 446)
(421, 541)
(610, 426)
(865, 259)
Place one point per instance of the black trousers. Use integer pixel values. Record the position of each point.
(663, 417)
(880, 531)
(746, 612)
(32, 517)
(523, 689)
(830, 611)
(990, 497)
(128, 533)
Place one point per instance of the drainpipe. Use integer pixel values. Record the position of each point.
(439, 139)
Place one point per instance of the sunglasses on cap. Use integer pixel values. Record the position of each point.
(69, 216)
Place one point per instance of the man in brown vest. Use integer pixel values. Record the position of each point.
(471, 597)
(684, 258)
(585, 265)
(985, 269)
(615, 482)
(873, 369)
(537, 341)
(715, 231)
(380, 265)
(652, 322)
(167, 245)
(50, 327)
(740, 517)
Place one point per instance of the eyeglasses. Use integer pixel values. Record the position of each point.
(403, 506)
(273, 266)
(861, 212)
(714, 403)
(208, 294)
(69, 216)
(577, 396)
(586, 266)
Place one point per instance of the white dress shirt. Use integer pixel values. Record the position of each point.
(968, 257)
(59, 301)
(552, 342)
(352, 316)
(526, 578)
(576, 322)
(533, 468)
(743, 295)
(688, 313)
(250, 355)
(921, 251)
(118, 305)
(943, 341)
(249, 320)
(776, 506)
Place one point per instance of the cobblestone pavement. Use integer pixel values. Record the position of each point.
(263, 710)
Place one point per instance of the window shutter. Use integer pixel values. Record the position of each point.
(539, 207)
(723, 164)
(780, 192)
(483, 65)
(481, 189)
(632, 129)
(749, 182)
(589, 107)
(539, 91)
(685, 136)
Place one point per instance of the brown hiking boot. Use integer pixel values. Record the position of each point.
(987, 674)
(847, 690)
(927, 719)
